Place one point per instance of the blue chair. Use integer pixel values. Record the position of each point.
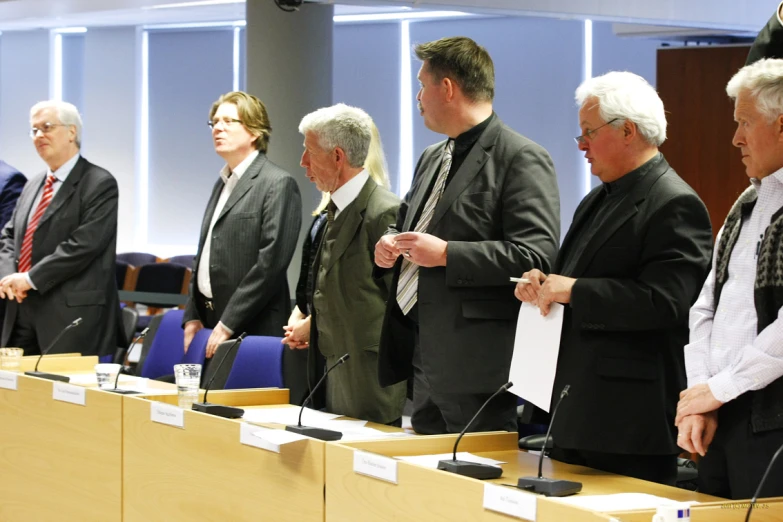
(197, 351)
(186, 260)
(166, 347)
(137, 258)
(258, 364)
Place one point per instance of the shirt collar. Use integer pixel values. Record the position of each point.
(625, 183)
(465, 141)
(774, 178)
(345, 195)
(240, 169)
(62, 173)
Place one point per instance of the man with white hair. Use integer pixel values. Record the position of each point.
(734, 401)
(629, 268)
(347, 303)
(57, 252)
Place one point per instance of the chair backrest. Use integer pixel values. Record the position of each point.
(130, 318)
(121, 271)
(186, 261)
(137, 258)
(162, 278)
(166, 348)
(197, 351)
(258, 364)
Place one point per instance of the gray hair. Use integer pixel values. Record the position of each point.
(764, 81)
(67, 113)
(625, 96)
(341, 126)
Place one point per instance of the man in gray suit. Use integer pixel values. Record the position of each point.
(484, 206)
(347, 303)
(249, 232)
(57, 252)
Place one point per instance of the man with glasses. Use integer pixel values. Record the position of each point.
(57, 252)
(248, 235)
(629, 268)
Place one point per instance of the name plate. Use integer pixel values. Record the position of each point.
(62, 391)
(376, 466)
(167, 414)
(519, 504)
(8, 380)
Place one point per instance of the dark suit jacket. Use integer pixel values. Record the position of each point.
(11, 184)
(74, 250)
(500, 214)
(769, 42)
(253, 242)
(349, 305)
(623, 334)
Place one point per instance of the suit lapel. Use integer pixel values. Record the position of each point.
(625, 211)
(349, 221)
(244, 184)
(213, 199)
(474, 162)
(420, 196)
(66, 191)
(584, 209)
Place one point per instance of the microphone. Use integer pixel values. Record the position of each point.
(473, 469)
(761, 483)
(53, 376)
(545, 486)
(310, 431)
(124, 369)
(228, 412)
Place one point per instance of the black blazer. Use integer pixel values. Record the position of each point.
(769, 42)
(253, 242)
(500, 214)
(74, 250)
(623, 334)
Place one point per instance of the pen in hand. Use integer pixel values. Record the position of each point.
(519, 280)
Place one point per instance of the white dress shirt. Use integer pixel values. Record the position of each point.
(230, 179)
(61, 175)
(345, 195)
(725, 350)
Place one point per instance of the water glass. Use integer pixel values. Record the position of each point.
(106, 374)
(188, 377)
(10, 359)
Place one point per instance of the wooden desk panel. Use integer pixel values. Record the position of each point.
(766, 510)
(65, 362)
(59, 461)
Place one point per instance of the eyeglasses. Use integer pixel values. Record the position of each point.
(227, 122)
(589, 134)
(46, 128)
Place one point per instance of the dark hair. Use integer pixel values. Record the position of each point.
(463, 61)
(252, 112)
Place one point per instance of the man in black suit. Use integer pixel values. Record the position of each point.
(484, 205)
(248, 235)
(769, 42)
(11, 184)
(57, 252)
(629, 268)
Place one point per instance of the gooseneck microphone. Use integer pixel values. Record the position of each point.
(310, 431)
(545, 486)
(124, 369)
(53, 376)
(229, 412)
(473, 469)
(761, 483)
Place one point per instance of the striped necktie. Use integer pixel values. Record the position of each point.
(26, 255)
(408, 284)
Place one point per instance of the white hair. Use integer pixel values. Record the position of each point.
(341, 126)
(625, 96)
(67, 113)
(764, 81)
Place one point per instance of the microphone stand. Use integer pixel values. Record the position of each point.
(473, 469)
(545, 486)
(53, 376)
(310, 431)
(122, 369)
(220, 410)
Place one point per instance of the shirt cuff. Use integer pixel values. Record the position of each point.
(30, 281)
(723, 388)
(226, 328)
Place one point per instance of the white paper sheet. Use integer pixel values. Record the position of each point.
(536, 346)
(619, 501)
(89, 379)
(287, 415)
(268, 439)
(431, 461)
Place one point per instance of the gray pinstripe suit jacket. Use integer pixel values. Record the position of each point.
(253, 242)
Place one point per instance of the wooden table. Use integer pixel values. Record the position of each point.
(427, 494)
(766, 510)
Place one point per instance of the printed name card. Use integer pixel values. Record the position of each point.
(62, 391)
(519, 504)
(8, 380)
(266, 438)
(167, 414)
(377, 466)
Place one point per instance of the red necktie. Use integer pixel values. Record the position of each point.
(26, 255)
